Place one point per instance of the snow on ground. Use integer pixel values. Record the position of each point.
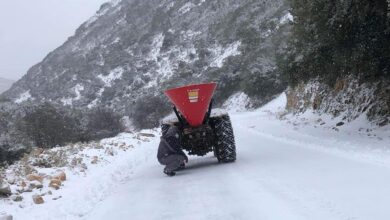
(186, 8)
(222, 53)
(238, 102)
(287, 18)
(108, 81)
(23, 97)
(112, 76)
(287, 168)
(77, 90)
(92, 172)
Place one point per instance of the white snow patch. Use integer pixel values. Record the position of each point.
(112, 76)
(24, 97)
(93, 103)
(190, 34)
(156, 47)
(67, 101)
(117, 40)
(201, 2)
(287, 18)
(238, 102)
(222, 53)
(186, 8)
(276, 105)
(108, 80)
(77, 90)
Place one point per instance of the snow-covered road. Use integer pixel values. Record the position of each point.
(302, 167)
(280, 173)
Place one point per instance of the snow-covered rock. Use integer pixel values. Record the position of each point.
(38, 199)
(5, 189)
(77, 183)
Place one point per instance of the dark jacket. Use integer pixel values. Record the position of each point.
(170, 144)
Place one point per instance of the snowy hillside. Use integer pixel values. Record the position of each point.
(5, 84)
(286, 169)
(130, 51)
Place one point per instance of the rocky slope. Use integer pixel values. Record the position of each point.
(131, 50)
(348, 99)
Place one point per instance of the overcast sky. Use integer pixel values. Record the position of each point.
(30, 29)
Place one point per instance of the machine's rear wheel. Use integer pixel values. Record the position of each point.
(225, 147)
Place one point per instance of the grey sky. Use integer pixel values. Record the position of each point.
(29, 30)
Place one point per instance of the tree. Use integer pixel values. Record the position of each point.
(333, 38)
(47, 127)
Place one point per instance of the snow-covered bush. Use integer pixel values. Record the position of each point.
(102, 123)
(148, 111)
(47, 126)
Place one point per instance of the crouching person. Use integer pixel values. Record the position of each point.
(170, 152)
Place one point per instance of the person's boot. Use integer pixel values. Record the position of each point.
(169, 172)
(182, 166)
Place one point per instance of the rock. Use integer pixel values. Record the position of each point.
(35, 185)
(16, 198)
(11, 180)
(76, 161)
(38, 199)
(23, 184)
(5, 190)
(55, 183)
(84, 166)
(61, 176)
(146, 135)
(94, 160)
(340, 124)
(110, 151)
(56, 198)
(35, 177)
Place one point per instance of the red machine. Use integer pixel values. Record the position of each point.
(202, 130)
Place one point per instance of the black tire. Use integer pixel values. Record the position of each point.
(225, 147)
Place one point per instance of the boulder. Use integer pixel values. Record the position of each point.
(55, 184)
(38, 199)
(35, 185)
(60, 176)
(5, 189)
(35, 177)
(16, 198)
